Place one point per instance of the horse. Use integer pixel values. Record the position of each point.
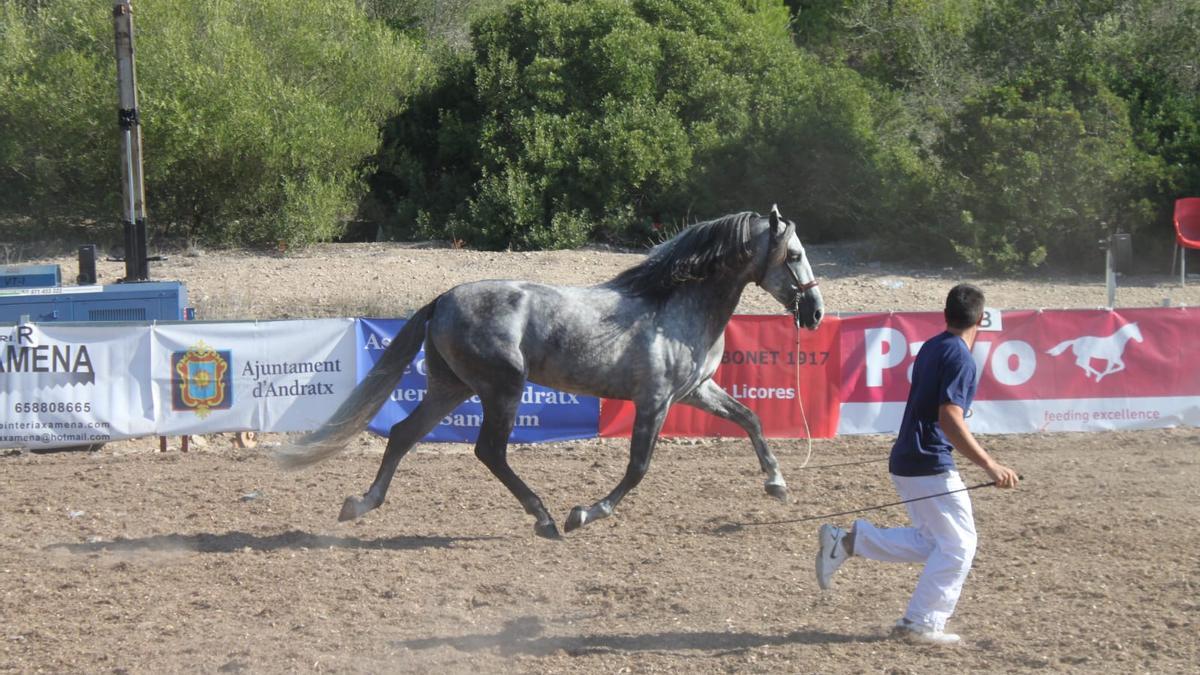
(653, 335)
(1110, 349)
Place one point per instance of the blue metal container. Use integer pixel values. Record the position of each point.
(141, 301)
(29, 276)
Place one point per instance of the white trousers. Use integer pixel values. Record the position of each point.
(942, 536)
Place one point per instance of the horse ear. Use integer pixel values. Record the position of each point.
(777, 225)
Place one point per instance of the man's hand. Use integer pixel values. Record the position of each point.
(1004, 476)
(954, 425)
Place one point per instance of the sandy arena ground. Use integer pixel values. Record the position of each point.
(129, 560)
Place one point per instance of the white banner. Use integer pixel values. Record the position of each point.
(261, 376)
(72, 385)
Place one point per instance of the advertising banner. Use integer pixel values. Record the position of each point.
(790, 378)
(1067, 370)
(544, 414)
(65, 385)
(71, 385)
(256, 375)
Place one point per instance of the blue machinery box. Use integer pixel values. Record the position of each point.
(29, 276)
(140, 301)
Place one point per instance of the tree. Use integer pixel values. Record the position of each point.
(596, 119)
(1152, 60)
(1045, 172)
(257, 115)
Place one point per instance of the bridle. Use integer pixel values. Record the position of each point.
(802, 287)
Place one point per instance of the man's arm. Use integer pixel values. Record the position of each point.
(954, 425)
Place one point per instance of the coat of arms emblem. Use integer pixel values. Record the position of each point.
(200, 380)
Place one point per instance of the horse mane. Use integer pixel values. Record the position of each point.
(695, 254)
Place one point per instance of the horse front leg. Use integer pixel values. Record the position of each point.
(499, 413)
(711, 398)
(646, 424)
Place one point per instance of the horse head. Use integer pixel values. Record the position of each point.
(1133, 331)
(787, 275)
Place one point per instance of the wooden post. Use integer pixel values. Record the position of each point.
(133, 203)
(183, 443)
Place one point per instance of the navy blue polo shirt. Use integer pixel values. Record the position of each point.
(944, 372)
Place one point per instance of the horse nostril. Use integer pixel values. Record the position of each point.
(817, 315)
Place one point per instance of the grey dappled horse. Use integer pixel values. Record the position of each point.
(653, 335)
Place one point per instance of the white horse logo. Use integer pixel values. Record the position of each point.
(1109, 349)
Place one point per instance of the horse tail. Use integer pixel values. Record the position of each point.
(365, 399)
(1059, 348)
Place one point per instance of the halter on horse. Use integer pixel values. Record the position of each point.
(653, 335)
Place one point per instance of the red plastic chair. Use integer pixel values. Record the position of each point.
(1187, 231)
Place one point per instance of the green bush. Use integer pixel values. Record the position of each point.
(594, 119)
(1046, 176)
(1044, 163)
(58, 137)
(1152, 60)
(258, 115)
(1040, 126)
(1007, 134)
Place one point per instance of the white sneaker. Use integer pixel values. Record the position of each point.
(831, 554)
(909, 631)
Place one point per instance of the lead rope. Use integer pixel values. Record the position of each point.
(804, 417)
(800, 402)
(827, 516)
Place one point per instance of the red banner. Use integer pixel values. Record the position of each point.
(1060, 370)
(789, 377)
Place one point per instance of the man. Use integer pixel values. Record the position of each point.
(943, 529)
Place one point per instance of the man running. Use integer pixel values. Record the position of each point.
(942, 534)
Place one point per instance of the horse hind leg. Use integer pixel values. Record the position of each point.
(711, 398)
(1112, 367)
(1085, 362)
(444, 394)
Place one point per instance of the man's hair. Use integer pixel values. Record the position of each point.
(964, 306)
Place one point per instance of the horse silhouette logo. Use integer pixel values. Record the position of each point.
(1108, 349)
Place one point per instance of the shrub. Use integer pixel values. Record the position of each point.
(257, 115)
(1046, 176)
(573, 119)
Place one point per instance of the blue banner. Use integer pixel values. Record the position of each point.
(544, 415)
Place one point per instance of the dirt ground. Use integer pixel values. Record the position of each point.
(393, 279)
(130, 560)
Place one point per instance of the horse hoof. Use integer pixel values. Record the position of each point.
(351, 509)
(779, 492)
(576, 519)
(547, 530)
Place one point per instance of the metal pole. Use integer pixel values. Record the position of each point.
(1110, 276)
(133, 194)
